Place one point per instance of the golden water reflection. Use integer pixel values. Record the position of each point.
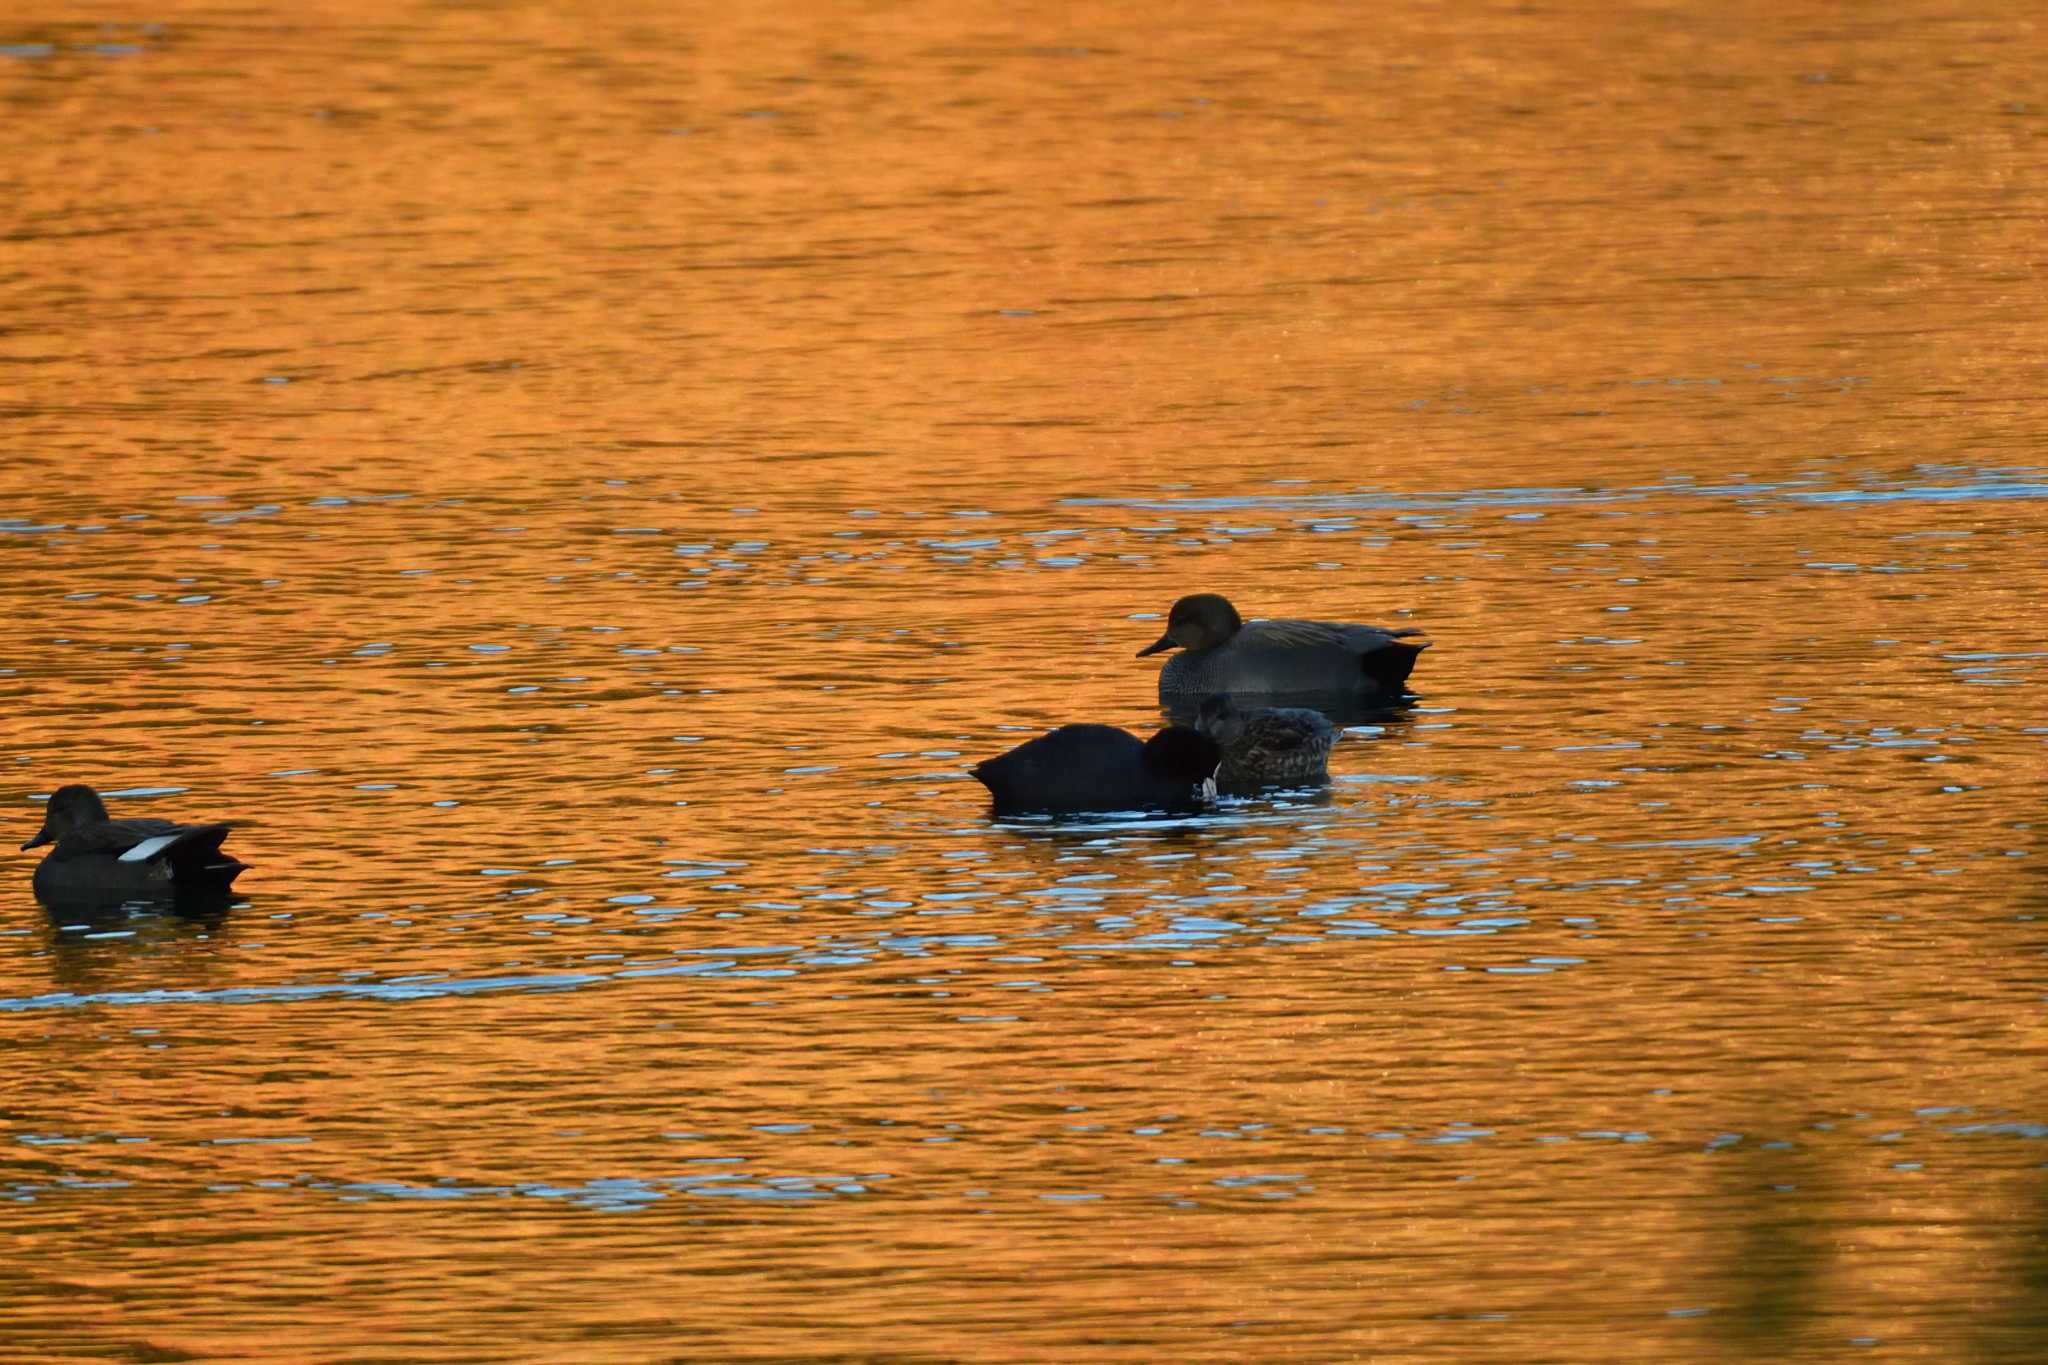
(583, 484)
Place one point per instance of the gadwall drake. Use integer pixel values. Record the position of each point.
(1268, 746)
(99, 858)
(1222, 652)
(1099, 767)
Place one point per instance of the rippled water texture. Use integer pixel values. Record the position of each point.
(581, 483)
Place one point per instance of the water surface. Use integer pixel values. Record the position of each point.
(582, 488)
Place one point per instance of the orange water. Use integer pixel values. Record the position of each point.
(582, 483)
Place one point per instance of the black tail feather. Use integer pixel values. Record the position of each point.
(1390, 664)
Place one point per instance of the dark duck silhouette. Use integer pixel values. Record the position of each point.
(1222, 652)
(1099, 768)
(97, 858)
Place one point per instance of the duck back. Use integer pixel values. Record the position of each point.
(1278, 746)
(1082, 768)
(1297, 656)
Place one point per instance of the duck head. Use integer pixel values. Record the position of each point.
(1182, 754)
(1220, 720)
(1201, 621)
(72, 807)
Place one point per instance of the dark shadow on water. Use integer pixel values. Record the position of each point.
(2016, 1329)
(1767, 1284)
(105, 945)
(90, 934)
(1343, 708)
(86, 915)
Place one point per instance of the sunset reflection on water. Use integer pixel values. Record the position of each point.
(581, 488)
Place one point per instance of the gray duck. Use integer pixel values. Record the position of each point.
(1222, 652)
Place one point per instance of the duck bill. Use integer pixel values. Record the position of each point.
(43, 836)
(1165, 641)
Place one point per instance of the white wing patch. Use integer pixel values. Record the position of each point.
(149, 848)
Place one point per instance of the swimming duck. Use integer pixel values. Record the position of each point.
(1268, 746)
(1099, 767)
(99, 858)
(1222, 652)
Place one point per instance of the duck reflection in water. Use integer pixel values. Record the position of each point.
(140, 920)
(1080, 768)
